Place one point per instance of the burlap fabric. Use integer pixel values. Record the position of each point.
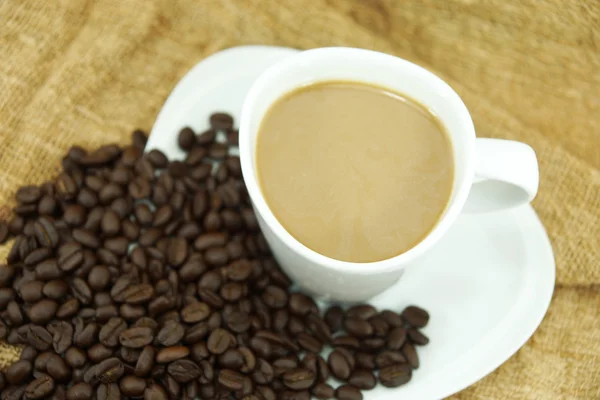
(88, 72)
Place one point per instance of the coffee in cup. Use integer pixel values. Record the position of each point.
(354, 171)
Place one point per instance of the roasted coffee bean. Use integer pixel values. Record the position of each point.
(99, 278)
(13, 393)
(108, 391)
(118, 245)
(199, 351)
(317, 365)
(43, 311)
(139, 188)
(102, 155)
(130, 356)
(31, 291)
(177, 251)
(68, 309)
(206, 137)
(28, 194)
(81, 291)
(80, 391)
(87, 198)
(138, 294)
(111, 223)
(392, 318)
(74, 215)
(75, 357)
(155, 392)
(363, 311)
(139, 138)
(309, 343)
(409, 351)
(48, 270)
(29, 353)
(132, 386)
(157, 158)
(238, 321)
(62, 338)
(186, 138)
(171, 333)
(216, 256)
(389, 357)
(46, 233)
(110, 332)
(380, 327)
(212, 222)
(396, 338)
(36, 256)
(318, 327)
(358, 327)
(209, 240)
(70, 256)
(184, 371)
(346, 341)
(334, 317)
(339, 365)
(298, 379)
(262, 347)
(195, 312)
(275, 297)
(55, 289)
(170, 354)
(92, 224)
(136, 337)
(117, 292)
(58, 369)
(263, 372)
(323, 391)
(232, 291)
(417, 337)
(373, 344)
(99, 352)
(162, 216)
(415, 316)
(219, 341)
(109, 370)
(40, 388)
(47, 205)
(395, 375)
(39, 337)
(14, 313)
(221, 121)
(231, 380)
(19, 372)
(41, 361)
(86, 238)
(348, 392)
(85, 336)
(362, 379)
(302, 305)
(145, 362)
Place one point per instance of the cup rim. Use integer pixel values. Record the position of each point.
(248, 168)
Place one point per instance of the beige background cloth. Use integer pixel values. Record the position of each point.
(88, 72)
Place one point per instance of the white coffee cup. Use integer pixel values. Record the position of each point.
(490, 174)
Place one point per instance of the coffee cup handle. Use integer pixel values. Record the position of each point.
(506, 176)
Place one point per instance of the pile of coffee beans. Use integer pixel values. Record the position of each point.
(132, 276)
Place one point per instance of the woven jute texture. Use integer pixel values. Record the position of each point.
(88, 72)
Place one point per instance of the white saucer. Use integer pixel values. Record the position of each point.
(487, 284)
